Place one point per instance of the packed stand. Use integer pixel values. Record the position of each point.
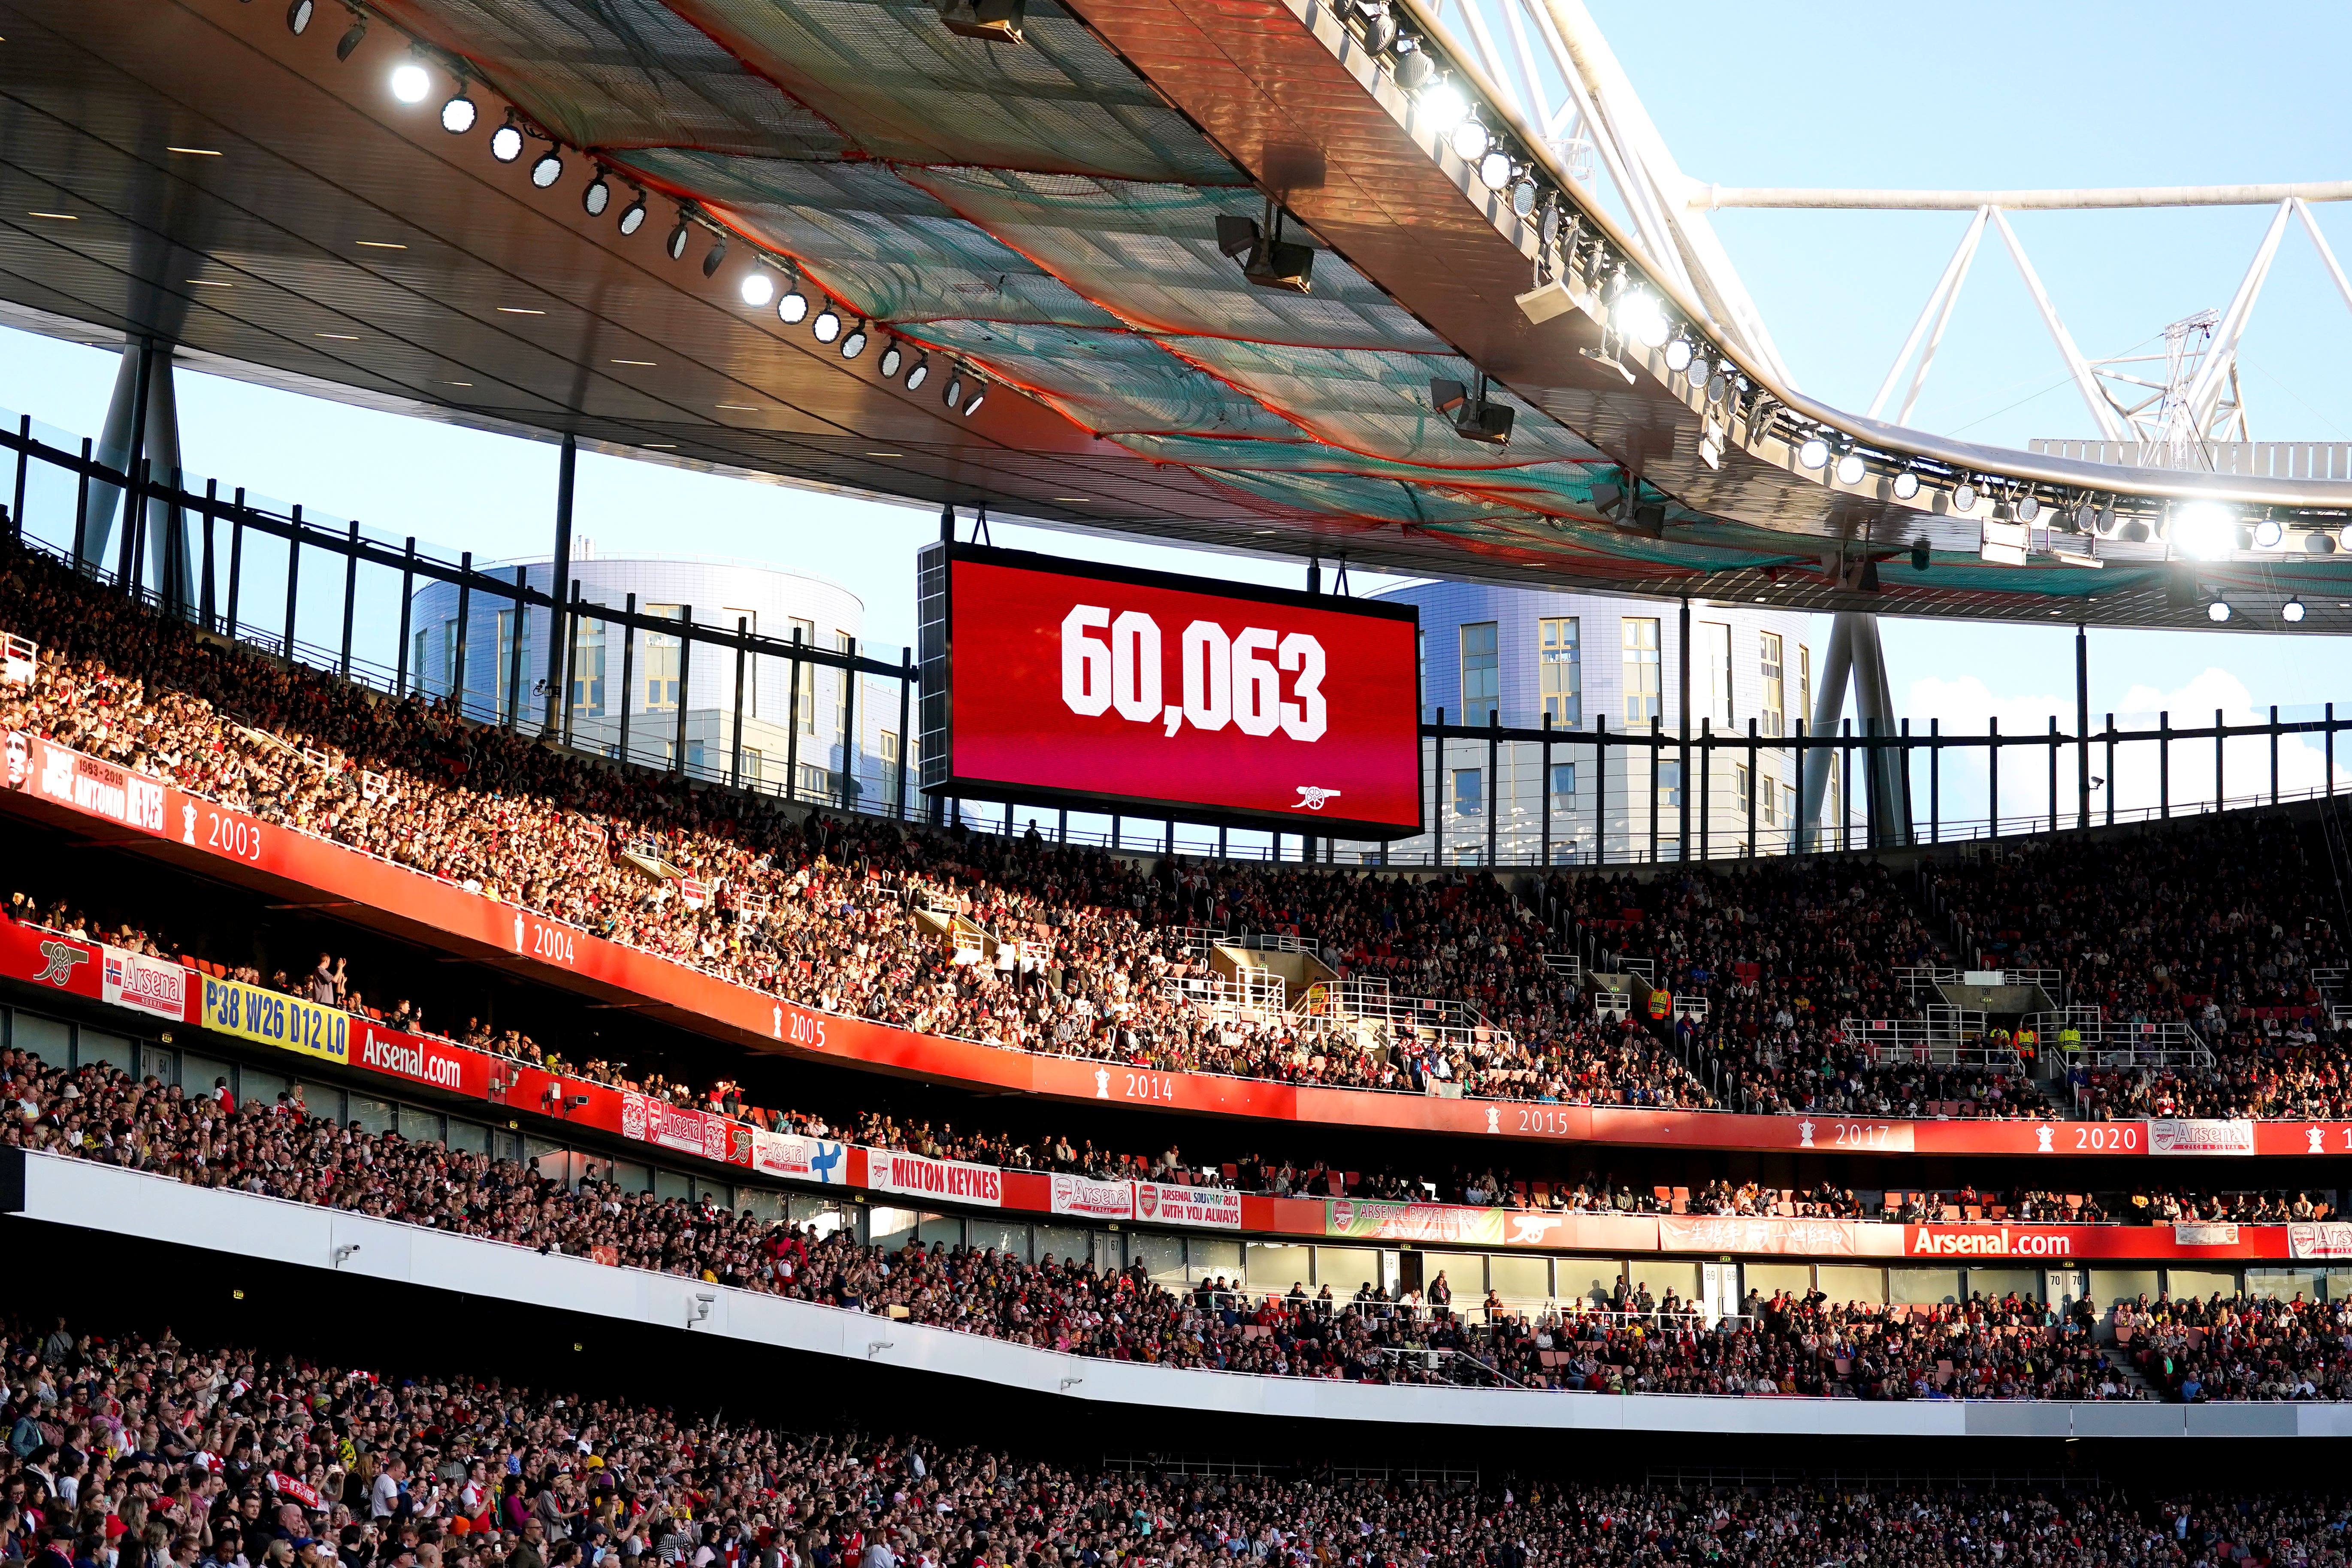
(1026, 945)
(330, 982)
(1782, 953)
(144, 1452)
(2225, 924)
(1611, 1339)
(1079, 952)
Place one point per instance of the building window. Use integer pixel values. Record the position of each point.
(1772, 803)
(751, 767)
(888, 750)
(1804, 681)
(1421, 673)
(419, 641)
(1563, 785)
(805, 711)
(449, 655)
(1559, 666)
(1481, 678)
(508, 657)
(588, 670)
(1643, 703)
(1714, 656)
(1469, 792)
(663, 651)
(1775, 688)
(1742, 782)
(1670, 784)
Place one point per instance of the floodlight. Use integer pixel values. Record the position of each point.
(506, 142)
(458, 115)
(410, 83)
(758, 287)
(1814, 453)
(548, 169)
(2204, 531)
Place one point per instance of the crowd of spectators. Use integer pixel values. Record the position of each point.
(1617, 1339)
(143, 1452)
(2222, 924)
(1595, 1192)
(2274, 1348)
(1451, 982)
(1079, 952)
(1782, 953)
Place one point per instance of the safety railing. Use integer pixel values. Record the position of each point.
(1947, 1036)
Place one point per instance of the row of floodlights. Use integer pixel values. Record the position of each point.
(411, 82)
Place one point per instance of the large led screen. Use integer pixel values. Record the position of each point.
(1179, 697)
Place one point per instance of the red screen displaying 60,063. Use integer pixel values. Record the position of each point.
(1168, 693)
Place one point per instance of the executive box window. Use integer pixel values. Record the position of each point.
(1563, 785)
(1644, 701)
(507, 659)
(805, 711)
(1559, 667)
(1469, 792)
(1714, 656)
(1481, 673)
(588, 670)
(662, 660)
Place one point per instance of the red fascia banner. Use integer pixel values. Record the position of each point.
(2096, 1243)
(101, 789)
(213, 838)
(39, 958)
(419, 1058)
(1152, 690)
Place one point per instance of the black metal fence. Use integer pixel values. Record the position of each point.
(258, 571)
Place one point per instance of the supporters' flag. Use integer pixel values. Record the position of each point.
(299, 1490)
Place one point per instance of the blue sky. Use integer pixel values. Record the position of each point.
(1988, 95)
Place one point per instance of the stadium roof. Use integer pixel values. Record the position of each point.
(1042, 214)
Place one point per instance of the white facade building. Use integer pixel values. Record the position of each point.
(1589, 664)
(815, 735)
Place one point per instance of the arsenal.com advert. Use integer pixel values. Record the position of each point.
(1176, 696)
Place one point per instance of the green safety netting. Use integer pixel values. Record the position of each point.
(621, 73)
(906, 90)
(1110, 382)
(887, 250)
(1378, 403)
(1039, 212)
(1149, 253)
